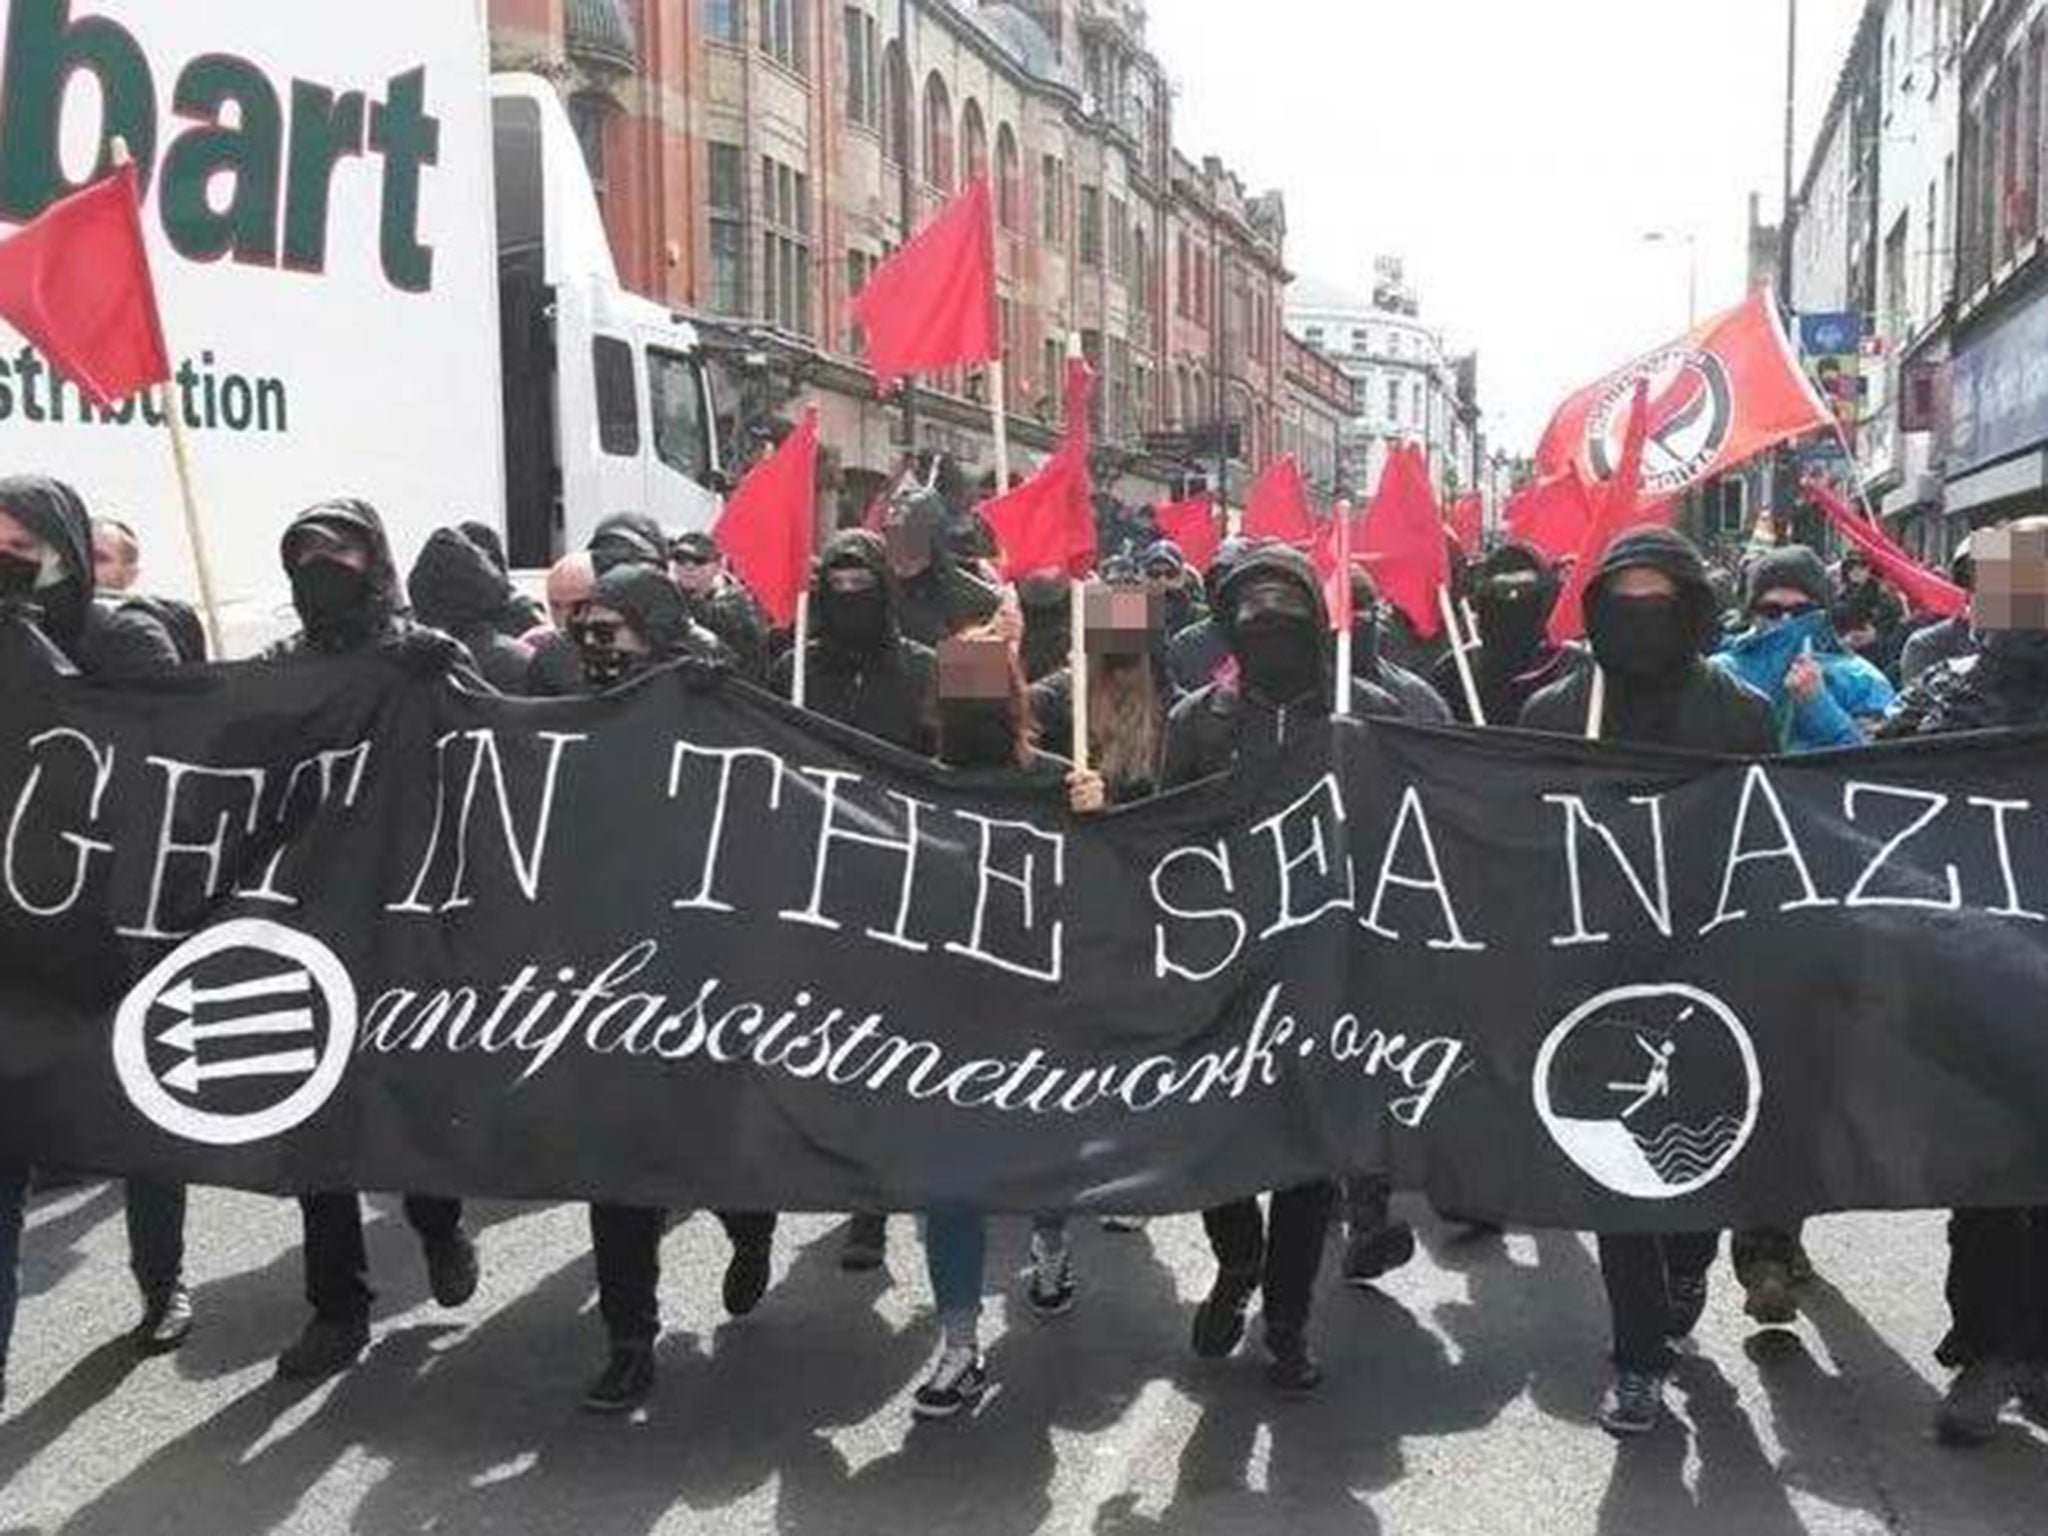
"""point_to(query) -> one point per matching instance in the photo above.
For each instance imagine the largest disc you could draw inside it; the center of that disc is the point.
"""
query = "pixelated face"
(1121, 620)
(973, 668)
(2012, 577)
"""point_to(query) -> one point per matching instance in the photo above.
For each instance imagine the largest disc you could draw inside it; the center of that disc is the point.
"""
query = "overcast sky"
(1513, 153)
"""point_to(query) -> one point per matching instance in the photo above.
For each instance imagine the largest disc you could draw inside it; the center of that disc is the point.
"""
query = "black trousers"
(1997, 1287)
(1281, 1254)
(1638, 1270)
(337, 1267)
(625, 1247)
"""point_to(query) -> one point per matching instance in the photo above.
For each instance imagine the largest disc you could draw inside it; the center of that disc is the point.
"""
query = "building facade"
(1320, 404)
(756, 159)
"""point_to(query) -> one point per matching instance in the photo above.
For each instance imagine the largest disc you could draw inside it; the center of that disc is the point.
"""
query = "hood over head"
(455, 585)
(1793, 566)
(348, 519)
(56, 514)
(627, 538)
(644, 596)
(852, 548)
(1657, 548)
(487, 539)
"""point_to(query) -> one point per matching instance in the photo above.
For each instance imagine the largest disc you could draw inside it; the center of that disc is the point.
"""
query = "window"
(784, 35)
(722, 21)
(727, 209)
(678, 407)
(938, 133)
(1089, 236)
(973, 143)
(860, 266)
(1141, 273)
(1360, 342)
(1119, 239)
(618, 400)
(1183, 280)
(1008, 200)
(1415, 402)
(1313, 335)
(863, 70)
(895, 105)
(1052, 201)
(1055, 375)
(785, 247)
(1394, 401)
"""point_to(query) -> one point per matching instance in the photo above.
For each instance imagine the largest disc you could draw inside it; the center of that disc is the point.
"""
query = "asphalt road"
(1460, 1399)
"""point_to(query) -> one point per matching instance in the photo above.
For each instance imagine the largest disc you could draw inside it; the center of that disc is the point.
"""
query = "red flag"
(1551, 515)
(1048, 522)
(933, 304)
(1468, 524)
(766, 527)
(1276, 507)
(1193, 526)
(1719, 395)
(1333, 559)
(1403, 541)
(1927, 591)
(75, 282)
(1619, 509)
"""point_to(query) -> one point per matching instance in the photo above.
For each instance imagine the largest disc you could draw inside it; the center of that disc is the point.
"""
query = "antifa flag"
(331, 927)
(1719, 396)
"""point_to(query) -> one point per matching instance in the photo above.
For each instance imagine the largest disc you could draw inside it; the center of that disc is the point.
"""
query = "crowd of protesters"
(915, 640)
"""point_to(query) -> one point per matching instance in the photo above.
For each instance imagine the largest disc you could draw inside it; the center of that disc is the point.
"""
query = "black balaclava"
(1048, 604)
(855, 621)
(1279, 642)
(1513, 616)
(1650, 640)
(60, 587)
(340, 608)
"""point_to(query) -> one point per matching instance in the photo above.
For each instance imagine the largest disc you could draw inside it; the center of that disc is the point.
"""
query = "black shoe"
(1688, 1303)
(327, 1347)
(1634, 1403)
(957, 1382)
(867, 1244)
(451, 1269)
(166, 1322)
(625, 1381)
(1292, 1369)
(1051, 1289)
(1377, 1251)
(746, 1277)
(1219, 1320)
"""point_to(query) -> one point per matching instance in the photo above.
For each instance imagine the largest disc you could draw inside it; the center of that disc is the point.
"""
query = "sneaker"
(327, 1347)
(166, 1322)
(746, 1277)
(1292, 1369)
(1376, 1251)
(451, 1269)
(1979, 1394)
(867, 1244)
(1219, 1320)
(957, 1382)
(1633, 1404)
(625, 1381)
(1051, 1291)
(1770, 1300)
(1688, 1302)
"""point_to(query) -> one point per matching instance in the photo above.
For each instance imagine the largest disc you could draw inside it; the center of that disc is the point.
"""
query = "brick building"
(756, 158)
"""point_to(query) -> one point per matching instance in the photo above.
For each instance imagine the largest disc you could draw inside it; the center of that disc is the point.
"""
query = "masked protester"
(627, 538)
(521, 613)
(1278, 700)
(556, 670)
(349, 601)
(1649, 611)
(455, 587)
(1821, 695)
(47, 582)
(1196, 655)
(1417, 696)
(1944, 639)
(719, 602)
(985, 734)
(938, 592)
(1166, 572)
(1997, 1342)
(1514, 590)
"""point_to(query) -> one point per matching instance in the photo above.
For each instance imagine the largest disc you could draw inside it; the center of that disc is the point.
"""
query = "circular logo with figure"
(1691, 410)
(238, 1034)
(1651, 1090)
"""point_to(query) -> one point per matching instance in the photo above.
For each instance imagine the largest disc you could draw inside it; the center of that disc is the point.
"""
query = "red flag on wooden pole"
(1551, 515)
(1276, 507)
(933, 304)
(768, 523)
(1048, 522)
(1403, 542)
(1926, 590)
(1194, 527)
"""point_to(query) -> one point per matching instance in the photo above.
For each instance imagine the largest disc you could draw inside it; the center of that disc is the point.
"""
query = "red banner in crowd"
(1719, 395)
(1277, 507)
(1551, 515)
(933, 304)
(1925, 590)
(1194, 526)
(1048, 522)
(767, 526)
(1403, 542)
(1468, 524)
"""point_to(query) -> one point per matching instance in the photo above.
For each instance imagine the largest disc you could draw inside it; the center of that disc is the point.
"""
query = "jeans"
(1282, 1254)
(625, 1249)
(1997, 1287)
(956, 1257)
(156, 1237)
(338, 1268)
(1639, 1270)
(13, 1199)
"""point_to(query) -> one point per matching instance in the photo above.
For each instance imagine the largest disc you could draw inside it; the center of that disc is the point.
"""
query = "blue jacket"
(1854, 691)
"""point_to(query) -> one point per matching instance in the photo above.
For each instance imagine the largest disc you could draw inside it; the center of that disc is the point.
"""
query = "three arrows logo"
(202, 1024)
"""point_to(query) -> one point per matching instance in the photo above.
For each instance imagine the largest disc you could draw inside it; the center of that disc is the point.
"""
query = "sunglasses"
(696, 560)
(1775, 611)
(600, 634)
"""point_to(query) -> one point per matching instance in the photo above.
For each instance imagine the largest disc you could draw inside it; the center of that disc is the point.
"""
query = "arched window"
(1141, 271)
(1009, 186)
(895, 104)
(973, 142)
(938, 133)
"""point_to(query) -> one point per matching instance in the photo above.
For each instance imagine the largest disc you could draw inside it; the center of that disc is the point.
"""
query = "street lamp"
(1692, 266)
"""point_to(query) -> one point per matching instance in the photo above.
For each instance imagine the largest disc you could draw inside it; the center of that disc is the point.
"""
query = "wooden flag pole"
(797, 689)
(1596, 706)
(1472, 641)
(1465, 679)
(1346, 641)
(1077, 673)
(998, 372)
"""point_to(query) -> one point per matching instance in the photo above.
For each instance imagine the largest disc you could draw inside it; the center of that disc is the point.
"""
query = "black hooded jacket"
(457, 588)
(647, 599)
(1696, 706)
(2003, 684)
(628, 538)
(888, 691)
(1220, 725)
(112, 638)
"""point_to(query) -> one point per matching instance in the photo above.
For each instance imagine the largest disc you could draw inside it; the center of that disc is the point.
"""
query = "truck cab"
(608, 400)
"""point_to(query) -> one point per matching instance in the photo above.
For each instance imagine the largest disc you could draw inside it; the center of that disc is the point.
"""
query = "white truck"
(382, 273)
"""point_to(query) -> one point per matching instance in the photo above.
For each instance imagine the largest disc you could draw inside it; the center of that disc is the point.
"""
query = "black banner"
(329, 927)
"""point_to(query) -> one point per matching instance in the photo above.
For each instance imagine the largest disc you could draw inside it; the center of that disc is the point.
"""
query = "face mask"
(1643, 637)
(976, 733)
(857, 620)
(1280, 657)
(333, 601)
(605, 667)
(1511, 627)
(18, 578)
